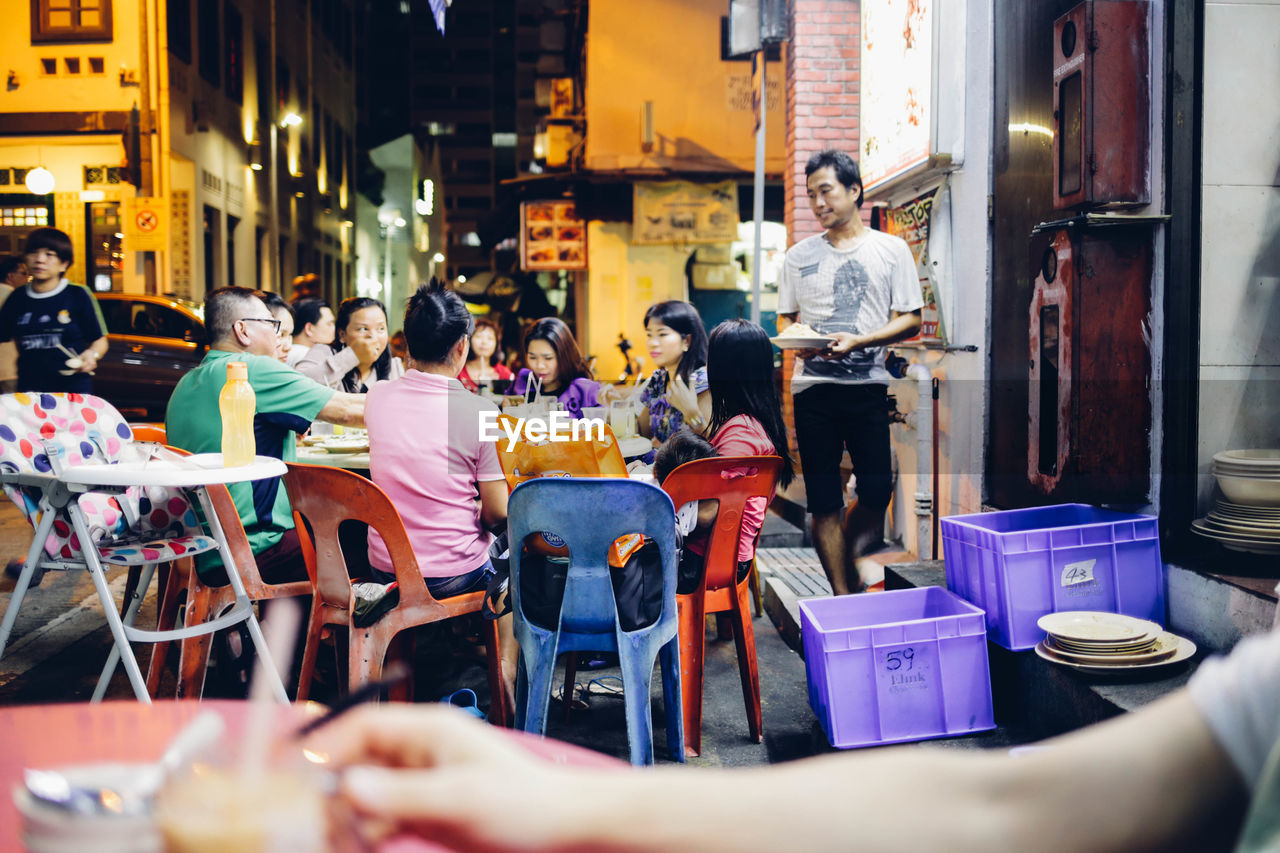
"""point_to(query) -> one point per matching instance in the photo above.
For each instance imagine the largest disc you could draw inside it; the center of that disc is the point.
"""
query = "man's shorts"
(831, 417)
(449, 585)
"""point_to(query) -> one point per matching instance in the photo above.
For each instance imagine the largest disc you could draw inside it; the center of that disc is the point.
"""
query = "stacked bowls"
(1248, 519)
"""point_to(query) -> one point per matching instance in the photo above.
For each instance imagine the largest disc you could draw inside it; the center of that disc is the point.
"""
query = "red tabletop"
(127, 731)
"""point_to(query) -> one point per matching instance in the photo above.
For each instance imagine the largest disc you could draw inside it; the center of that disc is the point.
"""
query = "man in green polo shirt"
(241, 328)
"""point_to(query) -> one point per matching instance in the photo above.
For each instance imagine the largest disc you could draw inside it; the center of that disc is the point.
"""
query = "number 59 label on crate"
(1077, 573)
(907, 683)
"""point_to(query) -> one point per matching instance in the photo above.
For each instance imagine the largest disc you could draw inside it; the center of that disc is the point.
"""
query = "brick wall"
(822, 112)
(822, 95)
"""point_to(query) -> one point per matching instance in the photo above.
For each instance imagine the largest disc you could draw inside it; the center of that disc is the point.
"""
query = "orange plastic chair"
(323, 497)
(721, 591)
(149, 432)
(206, 602)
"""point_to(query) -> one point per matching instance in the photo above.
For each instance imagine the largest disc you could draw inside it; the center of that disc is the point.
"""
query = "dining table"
(76, 734)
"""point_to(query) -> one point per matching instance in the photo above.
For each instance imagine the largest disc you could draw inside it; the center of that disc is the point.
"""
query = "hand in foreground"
(681, 396)
(844, 343)
(611, 394)
(445, 776)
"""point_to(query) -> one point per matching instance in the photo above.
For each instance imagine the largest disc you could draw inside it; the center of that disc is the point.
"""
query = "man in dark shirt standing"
(56, 324)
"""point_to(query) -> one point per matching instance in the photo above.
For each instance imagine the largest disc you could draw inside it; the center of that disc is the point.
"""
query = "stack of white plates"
(1097, 642)
(1249, 518)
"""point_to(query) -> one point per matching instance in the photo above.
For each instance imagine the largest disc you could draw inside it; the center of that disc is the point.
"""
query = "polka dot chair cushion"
(157, 551)
(88, 430)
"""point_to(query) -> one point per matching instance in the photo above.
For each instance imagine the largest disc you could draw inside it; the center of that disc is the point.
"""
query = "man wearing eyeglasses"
(241, 328)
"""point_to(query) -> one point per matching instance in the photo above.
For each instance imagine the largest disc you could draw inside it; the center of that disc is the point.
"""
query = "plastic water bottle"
(237, 404)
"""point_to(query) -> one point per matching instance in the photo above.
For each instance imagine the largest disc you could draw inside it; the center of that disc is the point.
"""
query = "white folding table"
(193, 474)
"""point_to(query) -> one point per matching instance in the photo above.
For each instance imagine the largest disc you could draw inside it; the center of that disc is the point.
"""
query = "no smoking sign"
(144, 221)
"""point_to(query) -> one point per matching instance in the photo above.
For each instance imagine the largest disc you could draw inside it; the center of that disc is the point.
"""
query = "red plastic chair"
(721, 591)
(206, 602)
(323, 497)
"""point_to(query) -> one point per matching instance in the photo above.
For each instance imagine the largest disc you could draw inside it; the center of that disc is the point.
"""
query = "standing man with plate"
(860, 287)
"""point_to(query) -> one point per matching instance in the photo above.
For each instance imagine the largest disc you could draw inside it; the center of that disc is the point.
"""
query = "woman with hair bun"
(425, 452)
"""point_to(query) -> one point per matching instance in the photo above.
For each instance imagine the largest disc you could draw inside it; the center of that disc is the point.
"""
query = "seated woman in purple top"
(553, 357)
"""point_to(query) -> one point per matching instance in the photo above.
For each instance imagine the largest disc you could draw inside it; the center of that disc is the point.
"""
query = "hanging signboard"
(684, 212)
(896, 88)
(911, 221)
(146, 224)
(552, 237)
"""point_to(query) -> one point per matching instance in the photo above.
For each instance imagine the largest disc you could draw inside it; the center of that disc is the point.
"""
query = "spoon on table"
(130, 795)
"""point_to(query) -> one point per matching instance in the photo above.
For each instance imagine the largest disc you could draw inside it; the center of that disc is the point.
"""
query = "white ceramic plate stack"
(1106, 643)
(1248, 519)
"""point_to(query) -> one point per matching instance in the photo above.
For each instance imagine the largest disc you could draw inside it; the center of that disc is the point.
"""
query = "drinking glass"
(622, 419)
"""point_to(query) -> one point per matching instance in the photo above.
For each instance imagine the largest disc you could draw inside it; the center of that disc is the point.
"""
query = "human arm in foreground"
(1151, 780)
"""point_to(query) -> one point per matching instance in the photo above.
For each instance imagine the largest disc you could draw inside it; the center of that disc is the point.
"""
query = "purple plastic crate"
(897, 666)
(1020, 564)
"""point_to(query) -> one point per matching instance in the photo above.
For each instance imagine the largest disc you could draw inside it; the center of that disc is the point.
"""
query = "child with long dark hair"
(553, 358)
(359, 356)
(746, 420)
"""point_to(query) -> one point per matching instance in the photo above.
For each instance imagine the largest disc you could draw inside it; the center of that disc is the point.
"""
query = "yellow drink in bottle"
(237, 404)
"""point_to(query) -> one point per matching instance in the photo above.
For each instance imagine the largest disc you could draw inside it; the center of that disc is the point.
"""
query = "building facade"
(200, 75)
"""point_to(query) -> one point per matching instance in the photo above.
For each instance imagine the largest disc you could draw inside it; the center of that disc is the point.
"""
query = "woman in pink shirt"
(746, 420)
(425, 452)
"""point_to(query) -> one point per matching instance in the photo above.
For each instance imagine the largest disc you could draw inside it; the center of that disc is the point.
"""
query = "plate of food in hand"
(801, 336)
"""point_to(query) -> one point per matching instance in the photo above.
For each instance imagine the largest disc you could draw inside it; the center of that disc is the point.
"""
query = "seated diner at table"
(677, 342)
(426, 453)
(241, 328)
(313, 324)
(555, 368)
(746, 420)
(283, 312)
(359, 355)
(484, 365)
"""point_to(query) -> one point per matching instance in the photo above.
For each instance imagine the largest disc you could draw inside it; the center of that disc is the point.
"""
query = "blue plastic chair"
(589, 514)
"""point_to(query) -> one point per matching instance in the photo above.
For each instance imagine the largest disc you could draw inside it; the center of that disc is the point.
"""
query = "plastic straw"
(280, 633)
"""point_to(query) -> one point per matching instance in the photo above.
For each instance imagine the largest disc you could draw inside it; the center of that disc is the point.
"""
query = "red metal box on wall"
(1101, 103)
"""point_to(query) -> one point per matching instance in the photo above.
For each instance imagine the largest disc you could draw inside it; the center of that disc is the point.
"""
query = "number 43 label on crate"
(1078, 573)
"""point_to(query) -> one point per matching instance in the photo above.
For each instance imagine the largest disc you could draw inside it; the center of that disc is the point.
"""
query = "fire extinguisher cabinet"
(1101, 105)
(1089, 413)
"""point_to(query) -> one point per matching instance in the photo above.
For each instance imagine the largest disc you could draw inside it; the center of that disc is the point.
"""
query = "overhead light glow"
(438, 258)
(399, 222)
(40, 181)
(290, 119)
(1027, 127)
(462, 279)
(429, 196)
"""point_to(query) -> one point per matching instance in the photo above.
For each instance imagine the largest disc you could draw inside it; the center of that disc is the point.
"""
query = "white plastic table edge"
(200, 470)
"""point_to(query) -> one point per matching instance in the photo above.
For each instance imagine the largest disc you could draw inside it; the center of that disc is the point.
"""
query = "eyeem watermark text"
(558, 426)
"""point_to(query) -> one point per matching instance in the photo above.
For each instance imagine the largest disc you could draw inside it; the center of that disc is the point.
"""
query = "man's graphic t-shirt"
(41, 324)
(853, 290)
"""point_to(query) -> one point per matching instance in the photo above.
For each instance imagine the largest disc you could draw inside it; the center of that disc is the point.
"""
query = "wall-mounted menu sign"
(911, 221)
(896, 91)
(683, 212)
(552, 237)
